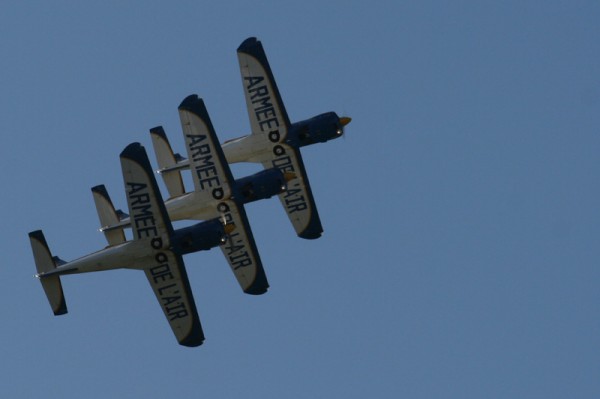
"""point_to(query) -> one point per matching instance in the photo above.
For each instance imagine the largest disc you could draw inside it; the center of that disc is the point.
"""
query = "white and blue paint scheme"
(215, 193)
(156, 248)
(274, 141)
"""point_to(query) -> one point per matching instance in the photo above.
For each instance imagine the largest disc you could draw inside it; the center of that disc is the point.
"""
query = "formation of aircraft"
(216, 201)
(273, 141)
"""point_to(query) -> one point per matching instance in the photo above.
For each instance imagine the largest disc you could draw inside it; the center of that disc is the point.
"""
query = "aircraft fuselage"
(144, 252)
(200, 205)
(256, 147)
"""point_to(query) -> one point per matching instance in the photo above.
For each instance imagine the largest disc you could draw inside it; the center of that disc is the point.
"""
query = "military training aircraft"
(217, 199)
(216, 193)
(273, 142)
(156, 249)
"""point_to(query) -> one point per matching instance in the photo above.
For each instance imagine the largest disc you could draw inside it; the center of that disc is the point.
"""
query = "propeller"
(227, 227)
(344, 120)
(287, 176)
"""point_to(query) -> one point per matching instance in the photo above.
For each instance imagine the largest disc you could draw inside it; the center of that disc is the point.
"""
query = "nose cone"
(289, 176)
(344, 120)
(229, 228)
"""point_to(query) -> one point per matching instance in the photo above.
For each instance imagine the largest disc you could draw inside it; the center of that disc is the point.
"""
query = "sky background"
(461, 209)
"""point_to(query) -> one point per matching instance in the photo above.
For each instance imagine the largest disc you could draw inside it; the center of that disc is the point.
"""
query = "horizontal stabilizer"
(107, 215)
(166, 160)
(45, 263)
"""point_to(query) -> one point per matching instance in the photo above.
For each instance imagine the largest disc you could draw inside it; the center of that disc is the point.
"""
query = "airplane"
(215, 193)
(156, 248)
(273, 142)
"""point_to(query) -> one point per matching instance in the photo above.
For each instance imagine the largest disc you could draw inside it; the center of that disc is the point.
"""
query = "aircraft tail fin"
(167, 162)
(45, 263)
(108, 216)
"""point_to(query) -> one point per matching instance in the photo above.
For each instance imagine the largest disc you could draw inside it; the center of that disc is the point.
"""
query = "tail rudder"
(168, 162)
(109, 217)
(45, 263)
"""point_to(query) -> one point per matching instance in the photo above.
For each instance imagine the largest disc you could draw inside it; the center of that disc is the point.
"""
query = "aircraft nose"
(289, 176)
(229, 227)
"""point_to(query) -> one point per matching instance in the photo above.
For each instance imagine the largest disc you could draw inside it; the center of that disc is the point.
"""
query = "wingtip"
(195, 336)
(133, 151)
(195, 105)
(190, 102)
(260, 290)
(248, 44)
(136, 152)
(193, 341)
(313, 231)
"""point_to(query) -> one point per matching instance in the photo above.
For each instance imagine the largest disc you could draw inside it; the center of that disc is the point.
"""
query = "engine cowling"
(319, 129)
(199, 237)
(261, 185)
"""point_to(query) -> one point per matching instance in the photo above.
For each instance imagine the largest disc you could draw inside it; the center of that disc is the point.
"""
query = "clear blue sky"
(461, 250)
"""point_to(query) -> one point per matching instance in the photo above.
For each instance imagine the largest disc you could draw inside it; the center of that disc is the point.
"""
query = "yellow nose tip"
(344, 120)
(289, 176)
(229, 228)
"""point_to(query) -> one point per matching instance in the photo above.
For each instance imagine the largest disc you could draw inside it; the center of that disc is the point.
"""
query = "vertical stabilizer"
(107, 215)
(167, 160)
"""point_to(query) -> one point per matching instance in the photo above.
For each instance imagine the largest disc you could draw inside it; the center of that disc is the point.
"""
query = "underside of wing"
(241, 252)
(210, 171)
(171, 286)
(148, 216)
(265, 107)
(211, 175)
(297, 200)
(150, 222)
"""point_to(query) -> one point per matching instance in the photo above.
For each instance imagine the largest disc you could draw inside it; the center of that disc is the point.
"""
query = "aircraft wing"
(297, 200)
(147, 212)
(265, 107)
(171, 286)
(241, 252)
(268, 117)
(211, 175)
(151, 225)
